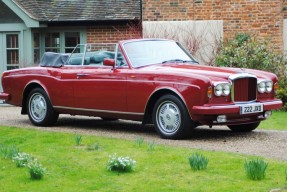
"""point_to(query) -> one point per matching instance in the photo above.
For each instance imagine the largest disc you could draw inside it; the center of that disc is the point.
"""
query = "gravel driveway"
(270, 144)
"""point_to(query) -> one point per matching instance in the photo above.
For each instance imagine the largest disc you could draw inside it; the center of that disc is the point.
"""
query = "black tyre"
(40, 110)
(244, 127)
(171, 118)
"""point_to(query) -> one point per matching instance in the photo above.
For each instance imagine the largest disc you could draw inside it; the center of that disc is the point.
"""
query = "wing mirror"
(109, 62)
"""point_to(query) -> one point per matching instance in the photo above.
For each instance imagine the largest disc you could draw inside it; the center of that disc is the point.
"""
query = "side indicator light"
(276, 87)
(209, 92)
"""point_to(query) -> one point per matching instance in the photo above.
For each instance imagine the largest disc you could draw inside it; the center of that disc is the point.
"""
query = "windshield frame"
(191, 59)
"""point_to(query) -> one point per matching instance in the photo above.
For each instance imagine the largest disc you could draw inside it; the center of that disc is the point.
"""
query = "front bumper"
(4, 96)
(232, 109)
(207, 114)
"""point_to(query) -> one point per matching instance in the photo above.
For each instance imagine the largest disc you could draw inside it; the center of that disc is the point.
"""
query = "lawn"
(159, 168)
(276, 122)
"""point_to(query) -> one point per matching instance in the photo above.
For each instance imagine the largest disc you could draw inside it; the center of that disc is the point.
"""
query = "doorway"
(9, 52)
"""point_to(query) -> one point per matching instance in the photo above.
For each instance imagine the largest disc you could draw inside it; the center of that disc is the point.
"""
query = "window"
(12, 51)
(121, 61)
(52, 42)
(56, 41)
(72, 39)
(36, 40)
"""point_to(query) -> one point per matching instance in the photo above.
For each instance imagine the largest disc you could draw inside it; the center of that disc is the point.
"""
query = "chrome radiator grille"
(244, 89)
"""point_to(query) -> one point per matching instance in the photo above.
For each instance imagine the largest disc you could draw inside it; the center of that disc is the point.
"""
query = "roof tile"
(81, 10)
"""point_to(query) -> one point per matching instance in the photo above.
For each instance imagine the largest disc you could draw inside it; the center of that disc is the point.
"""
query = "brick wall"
(262, 18)
(112, 33)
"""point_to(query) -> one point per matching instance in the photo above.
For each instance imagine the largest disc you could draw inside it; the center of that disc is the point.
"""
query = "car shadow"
(133, 127)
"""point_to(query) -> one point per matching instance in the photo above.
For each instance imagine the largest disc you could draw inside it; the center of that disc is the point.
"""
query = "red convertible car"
(155, 81)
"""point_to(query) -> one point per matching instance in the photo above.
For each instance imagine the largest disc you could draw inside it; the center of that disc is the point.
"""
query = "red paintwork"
(125, 92)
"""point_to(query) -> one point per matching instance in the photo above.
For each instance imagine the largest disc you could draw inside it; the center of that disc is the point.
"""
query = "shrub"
(255, 169)
(22, 159)
(245, 51)
(282, 94)
(121, 164)
(198, 162)
(36, 170)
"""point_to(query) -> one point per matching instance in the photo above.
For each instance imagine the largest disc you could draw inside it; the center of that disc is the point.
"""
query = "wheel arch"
(26, 92)
(154, 97)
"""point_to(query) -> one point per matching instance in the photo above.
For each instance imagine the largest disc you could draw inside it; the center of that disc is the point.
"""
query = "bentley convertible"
(155, 81)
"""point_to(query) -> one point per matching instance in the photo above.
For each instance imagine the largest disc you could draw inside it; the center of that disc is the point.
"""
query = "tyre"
(244, 127)
(171, 118)
(40, 110)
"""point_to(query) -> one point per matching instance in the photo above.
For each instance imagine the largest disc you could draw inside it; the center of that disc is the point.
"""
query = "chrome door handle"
(81, 75)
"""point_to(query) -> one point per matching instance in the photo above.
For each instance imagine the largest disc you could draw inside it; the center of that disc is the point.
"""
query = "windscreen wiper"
(179, 61)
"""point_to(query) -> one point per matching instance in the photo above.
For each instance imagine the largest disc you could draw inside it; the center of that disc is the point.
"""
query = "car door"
(100, 89)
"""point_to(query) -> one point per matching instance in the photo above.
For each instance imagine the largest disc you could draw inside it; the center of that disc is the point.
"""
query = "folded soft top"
(51, 59)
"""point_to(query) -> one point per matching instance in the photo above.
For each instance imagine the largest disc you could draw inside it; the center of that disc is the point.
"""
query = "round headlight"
(226, 89)
(218, 90)
(269, 86)
(261, 87)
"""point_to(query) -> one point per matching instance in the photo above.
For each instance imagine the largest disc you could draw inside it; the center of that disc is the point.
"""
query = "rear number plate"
(253, 108)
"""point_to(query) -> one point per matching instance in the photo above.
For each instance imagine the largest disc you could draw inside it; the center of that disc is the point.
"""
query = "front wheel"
(171, 118)
(244, 127)
(40, 110)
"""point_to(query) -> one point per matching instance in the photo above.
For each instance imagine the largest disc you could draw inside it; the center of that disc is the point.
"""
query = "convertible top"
(51, 59)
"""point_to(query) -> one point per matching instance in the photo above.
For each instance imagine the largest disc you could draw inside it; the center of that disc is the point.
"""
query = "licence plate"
(252, 108)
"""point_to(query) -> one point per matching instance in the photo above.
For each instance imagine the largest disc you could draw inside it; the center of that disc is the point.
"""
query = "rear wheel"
(244, 127)
(40, 110)
(171, 118)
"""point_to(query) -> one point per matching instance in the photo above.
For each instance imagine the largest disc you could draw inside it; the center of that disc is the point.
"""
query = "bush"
(198, 162)
(121, 164)
(245, 51)
(36, 170)
(282, 94)
(255, 169)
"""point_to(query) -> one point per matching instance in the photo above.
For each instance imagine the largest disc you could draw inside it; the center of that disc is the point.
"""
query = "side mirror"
(109, 62)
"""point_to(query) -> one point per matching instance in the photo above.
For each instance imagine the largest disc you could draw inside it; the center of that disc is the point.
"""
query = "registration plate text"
(252, 108)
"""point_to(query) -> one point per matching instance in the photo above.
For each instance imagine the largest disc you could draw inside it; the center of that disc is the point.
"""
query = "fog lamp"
(267, 114)
(221, 118)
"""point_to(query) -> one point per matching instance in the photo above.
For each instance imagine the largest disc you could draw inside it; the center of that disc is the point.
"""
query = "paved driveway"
(271, 144)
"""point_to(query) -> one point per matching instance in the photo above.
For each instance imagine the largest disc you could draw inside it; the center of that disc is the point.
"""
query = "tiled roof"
(81, 10)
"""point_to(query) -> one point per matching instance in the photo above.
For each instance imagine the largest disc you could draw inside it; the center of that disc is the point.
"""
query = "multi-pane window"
(12, 51)
(59, 42)
(52, 42)
(72, 39)
(36, 40)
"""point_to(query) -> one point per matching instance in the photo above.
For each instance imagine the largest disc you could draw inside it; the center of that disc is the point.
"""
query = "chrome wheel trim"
(37, 107)
(168, 117)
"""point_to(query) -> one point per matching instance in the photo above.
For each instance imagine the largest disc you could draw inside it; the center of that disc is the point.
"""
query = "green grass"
(276, 122)
(74, 168)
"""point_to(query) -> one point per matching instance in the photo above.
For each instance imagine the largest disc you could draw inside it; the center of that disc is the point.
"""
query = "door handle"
(79, 75)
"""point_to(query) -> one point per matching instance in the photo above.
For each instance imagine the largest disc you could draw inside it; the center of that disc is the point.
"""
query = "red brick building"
(36, 26)
(264, 18)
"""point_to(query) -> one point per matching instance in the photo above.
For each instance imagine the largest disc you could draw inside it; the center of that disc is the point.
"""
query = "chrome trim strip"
(240, 76)
(228, 106)
(99, 111)
(89, 80)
